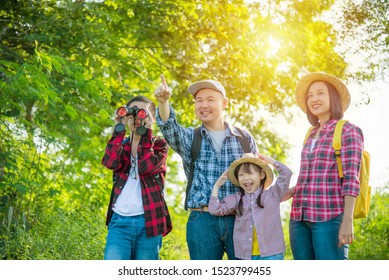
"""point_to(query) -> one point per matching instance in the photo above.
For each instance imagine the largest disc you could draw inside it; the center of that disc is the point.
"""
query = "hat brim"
(305, 82)
(257, 161)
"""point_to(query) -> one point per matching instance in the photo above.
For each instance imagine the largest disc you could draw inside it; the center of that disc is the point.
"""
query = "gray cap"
(211, 84)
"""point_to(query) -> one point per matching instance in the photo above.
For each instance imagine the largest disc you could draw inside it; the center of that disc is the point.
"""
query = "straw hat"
(251, 158)
(306, 81)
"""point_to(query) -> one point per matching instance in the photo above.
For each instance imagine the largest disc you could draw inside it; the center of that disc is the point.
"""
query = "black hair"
(335, 104)
(247, 169)
(141, 98)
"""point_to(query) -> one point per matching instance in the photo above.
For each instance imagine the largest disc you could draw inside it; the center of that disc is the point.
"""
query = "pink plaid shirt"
(267, 220)
(319, 191)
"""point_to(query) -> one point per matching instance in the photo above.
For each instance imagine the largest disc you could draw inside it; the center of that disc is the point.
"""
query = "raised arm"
(227, 205)
(283, 180)
(162, 94)
(222, 179)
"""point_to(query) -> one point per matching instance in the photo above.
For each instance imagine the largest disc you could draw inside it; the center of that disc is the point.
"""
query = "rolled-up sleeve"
(351, 155)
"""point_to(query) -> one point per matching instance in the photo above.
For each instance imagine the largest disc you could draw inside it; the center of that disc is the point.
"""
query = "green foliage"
(65, 66)
(174, 244)
(62, 236)
(372, 233)
(285, 215)
(364, 27)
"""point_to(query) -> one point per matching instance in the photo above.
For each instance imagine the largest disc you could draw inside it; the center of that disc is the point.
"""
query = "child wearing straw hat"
(321, 218)
(258, 231)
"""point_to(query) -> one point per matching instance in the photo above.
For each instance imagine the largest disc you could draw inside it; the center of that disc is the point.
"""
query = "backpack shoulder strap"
(337, 145)
(195, 150)
(243, 141)
(307, 134)
(196, 143)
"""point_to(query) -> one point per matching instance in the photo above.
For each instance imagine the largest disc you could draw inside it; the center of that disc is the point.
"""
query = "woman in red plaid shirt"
(137, 216)
(321, 219)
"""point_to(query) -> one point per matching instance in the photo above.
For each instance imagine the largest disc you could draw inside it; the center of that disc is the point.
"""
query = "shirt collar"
(230, 130)
(255, 193)
(328, 125)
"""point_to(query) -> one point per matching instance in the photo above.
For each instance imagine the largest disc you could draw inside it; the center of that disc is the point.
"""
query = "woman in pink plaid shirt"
(258, 231)
(321, 219)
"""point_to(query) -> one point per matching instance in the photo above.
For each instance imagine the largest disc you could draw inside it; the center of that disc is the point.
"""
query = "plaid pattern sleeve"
(111, 158)
(226, 206)
(351, 155)
(178, 137)
(152, 154)
(319, 193)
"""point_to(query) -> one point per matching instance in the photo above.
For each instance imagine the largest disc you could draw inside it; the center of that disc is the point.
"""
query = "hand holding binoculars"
(134, 111)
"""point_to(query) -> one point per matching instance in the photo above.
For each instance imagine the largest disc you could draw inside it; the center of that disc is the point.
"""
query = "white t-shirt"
(129, 202)
(217, 139)
(312, 145)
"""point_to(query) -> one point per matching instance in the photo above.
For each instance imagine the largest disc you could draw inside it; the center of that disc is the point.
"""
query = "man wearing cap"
(207, 236)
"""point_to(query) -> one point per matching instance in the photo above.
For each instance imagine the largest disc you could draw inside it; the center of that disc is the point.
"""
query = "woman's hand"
(346, 232)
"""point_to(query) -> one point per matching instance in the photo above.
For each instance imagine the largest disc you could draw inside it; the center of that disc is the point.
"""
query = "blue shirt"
(209, 165)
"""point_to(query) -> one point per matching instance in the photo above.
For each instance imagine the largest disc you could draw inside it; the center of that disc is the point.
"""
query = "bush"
(372, 233)
(58, 236)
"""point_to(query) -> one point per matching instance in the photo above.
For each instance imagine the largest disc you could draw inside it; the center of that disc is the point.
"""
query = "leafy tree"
(363, 31)
(66, 65)
(51, 122)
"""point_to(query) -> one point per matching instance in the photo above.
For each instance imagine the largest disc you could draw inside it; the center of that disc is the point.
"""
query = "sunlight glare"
(274, 45)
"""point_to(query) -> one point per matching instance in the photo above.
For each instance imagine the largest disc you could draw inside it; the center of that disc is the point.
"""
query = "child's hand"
(288, 194)
(266, 159)
(222, 179)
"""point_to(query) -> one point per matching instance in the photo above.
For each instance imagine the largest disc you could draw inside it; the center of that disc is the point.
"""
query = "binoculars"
(134, 111)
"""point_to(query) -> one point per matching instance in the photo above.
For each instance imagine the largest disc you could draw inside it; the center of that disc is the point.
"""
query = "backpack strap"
(243, 141)
(337, 145)
(308, 133)
(195, 150)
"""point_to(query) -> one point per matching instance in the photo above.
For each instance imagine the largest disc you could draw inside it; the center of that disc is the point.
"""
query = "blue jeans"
(127, 240)
(274, 257)
(317, 241)
(208, 236)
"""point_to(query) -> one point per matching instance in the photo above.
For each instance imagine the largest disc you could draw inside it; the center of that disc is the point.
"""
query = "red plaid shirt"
(319, 191)
(152, 154)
